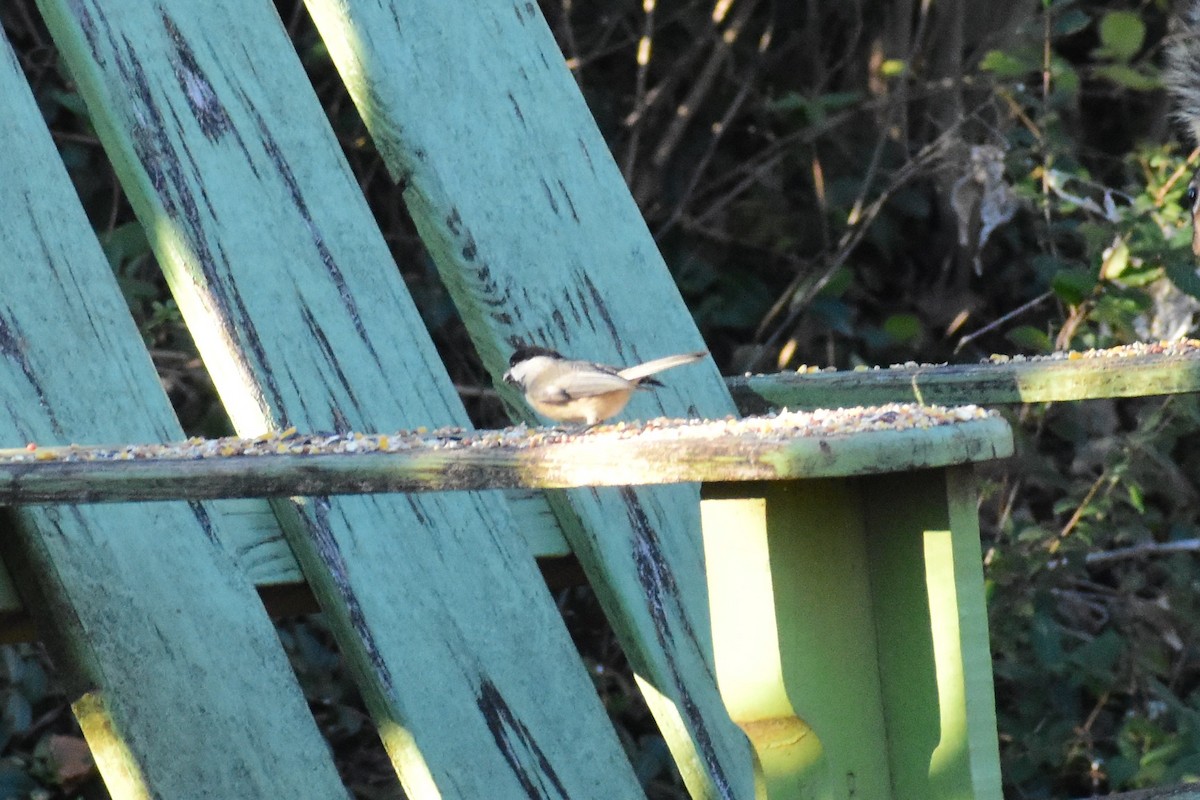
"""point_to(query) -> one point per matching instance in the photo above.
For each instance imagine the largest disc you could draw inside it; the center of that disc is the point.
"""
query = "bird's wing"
(579, 384)
(659, 364)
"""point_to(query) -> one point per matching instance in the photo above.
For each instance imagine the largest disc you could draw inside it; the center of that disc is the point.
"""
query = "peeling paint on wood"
(1131, 371)
(288, 286)
(148, 632)
(515, 459)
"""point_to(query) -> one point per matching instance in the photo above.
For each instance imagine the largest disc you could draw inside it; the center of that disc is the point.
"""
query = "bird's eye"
(1190, 197)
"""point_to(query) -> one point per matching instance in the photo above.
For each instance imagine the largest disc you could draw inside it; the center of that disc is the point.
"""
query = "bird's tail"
(1182, 74)
(659, 364)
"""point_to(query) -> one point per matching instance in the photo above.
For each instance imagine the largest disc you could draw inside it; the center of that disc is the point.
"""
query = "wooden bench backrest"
(302, 318)
(141, 604)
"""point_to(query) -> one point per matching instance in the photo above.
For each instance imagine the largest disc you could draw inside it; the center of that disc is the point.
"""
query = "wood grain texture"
(660, 456)
(1116, 373)
(148, 633)
(537, 238)
(290, 292)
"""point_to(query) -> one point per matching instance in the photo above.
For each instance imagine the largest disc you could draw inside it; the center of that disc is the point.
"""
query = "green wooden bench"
(835, 646)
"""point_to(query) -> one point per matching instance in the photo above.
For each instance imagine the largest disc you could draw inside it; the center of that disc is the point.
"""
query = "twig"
(644, 46)
(1021, 309)
(686, 111)
(734, 106)
(850, 240)
(1079, 509)
(749, 171)
(574, 62)
(1134, 551)
(1182, 171)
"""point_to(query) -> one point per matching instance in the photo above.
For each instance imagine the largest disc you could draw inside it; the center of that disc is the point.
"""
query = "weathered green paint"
(302, 318)
(536, 236)
(935, 660)
(1030, 381)
(588, 460)
(851, 635)
(249, 532)
(142, 608)
(796, 655)
(237, 195)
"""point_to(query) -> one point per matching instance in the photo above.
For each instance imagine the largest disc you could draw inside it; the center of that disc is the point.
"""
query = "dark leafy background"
(835, 182)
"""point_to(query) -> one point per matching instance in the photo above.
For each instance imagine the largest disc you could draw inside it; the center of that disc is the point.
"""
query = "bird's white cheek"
(522, 373)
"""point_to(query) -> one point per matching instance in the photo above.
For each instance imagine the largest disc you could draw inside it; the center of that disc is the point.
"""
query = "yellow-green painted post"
(935, 660)
(850, 634)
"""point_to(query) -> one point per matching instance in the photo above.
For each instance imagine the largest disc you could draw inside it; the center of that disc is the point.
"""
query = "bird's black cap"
(525, 352)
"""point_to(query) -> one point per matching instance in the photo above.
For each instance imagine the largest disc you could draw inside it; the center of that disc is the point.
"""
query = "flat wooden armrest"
(817, 444)
(1130, 371)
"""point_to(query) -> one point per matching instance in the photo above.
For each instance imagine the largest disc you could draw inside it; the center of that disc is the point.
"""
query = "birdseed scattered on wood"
(776, 427)
(1181, 347)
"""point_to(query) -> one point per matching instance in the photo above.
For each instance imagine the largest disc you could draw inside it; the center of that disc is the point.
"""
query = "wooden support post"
(850, 633)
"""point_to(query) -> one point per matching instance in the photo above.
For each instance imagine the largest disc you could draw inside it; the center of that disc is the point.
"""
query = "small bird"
(567, 390)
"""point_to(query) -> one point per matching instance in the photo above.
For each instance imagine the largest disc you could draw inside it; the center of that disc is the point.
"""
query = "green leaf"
(834, 315)
(792, 101)
(1046, 639)
(814, 108)
(1183, 275)
(1136, 498)
(838, 283)
(1121, 770)
(1122, 34)
(1132, 78)
(1073, 286)
(1070, 23)
(1047, 265)
(124, 243)
(903, 327)
(836, 101)
(1066, 78)
(1120, 308)
(1033, 533)
(1116, 261)
(1099, 656)
(1004, 64)
(1028, 337)
(738, 303)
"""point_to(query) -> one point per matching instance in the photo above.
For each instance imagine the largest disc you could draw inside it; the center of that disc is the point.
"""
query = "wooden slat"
(148, 633)
(515, 194)
(1189, 791)
(790, 446)
(1130, 371)
(302, 319)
